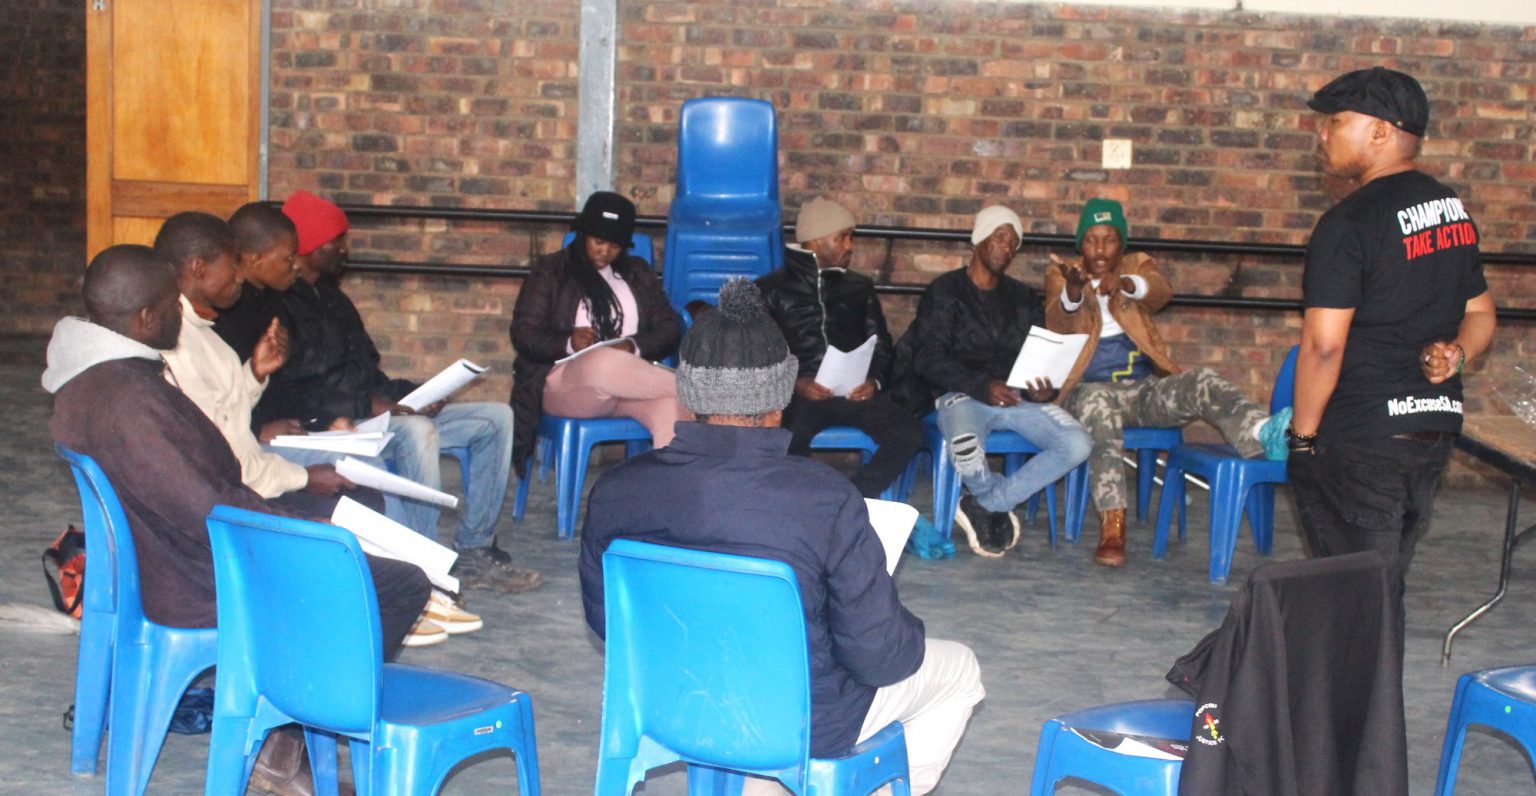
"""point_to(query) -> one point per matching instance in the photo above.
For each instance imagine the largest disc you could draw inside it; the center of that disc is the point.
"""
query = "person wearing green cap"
(1125, 376)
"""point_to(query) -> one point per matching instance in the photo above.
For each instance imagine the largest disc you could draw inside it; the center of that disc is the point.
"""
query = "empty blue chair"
(1237, 484)
(566, 443)
(300, 642)
(1064, 751)
(707, 663)
(1500, 699)
(144, 666)
(850, 438)
(724, 220)
(1016, 449)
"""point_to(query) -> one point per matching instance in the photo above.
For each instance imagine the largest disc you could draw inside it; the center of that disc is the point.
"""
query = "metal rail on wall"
(889, 235)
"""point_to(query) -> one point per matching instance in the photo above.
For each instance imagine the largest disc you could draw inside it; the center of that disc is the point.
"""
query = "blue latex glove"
(927, 542)
(1272, 434)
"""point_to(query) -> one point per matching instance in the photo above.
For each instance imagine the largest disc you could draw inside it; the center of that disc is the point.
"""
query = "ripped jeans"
(1061, 439)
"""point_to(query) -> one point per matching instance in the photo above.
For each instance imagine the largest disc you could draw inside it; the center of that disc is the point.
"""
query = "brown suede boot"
(1111, 549)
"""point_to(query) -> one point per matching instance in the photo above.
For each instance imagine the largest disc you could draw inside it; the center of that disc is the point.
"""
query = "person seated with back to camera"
(1125, 375)
(594, 293)
(727, 484)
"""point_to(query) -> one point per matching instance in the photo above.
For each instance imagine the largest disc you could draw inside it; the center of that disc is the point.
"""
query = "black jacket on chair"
(1300, 691)
(816, 308)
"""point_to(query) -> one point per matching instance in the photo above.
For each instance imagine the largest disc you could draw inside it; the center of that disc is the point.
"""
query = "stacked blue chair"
(1238, 486)
(567, 442)
(850, 438)
(144, 666)
(707, 663)
(300, 642)
(1500, 699)
(1016, 449)
(1065, 752)
(724, 220)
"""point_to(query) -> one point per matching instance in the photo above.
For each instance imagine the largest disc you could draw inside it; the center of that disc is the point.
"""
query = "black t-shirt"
(1402, 253)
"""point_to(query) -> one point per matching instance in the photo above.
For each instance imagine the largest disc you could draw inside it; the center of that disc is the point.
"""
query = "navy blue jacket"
(737, 490)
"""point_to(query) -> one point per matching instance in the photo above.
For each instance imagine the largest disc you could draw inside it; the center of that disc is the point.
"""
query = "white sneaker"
(446, 614)
(425, 633)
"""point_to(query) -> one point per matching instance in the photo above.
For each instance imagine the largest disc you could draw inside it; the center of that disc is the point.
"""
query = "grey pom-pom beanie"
(734, 360)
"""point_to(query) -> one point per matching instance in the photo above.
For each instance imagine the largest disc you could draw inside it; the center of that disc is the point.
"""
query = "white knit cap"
(990, 218)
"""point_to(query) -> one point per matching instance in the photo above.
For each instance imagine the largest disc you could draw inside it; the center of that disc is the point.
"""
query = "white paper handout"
(843, 371)
(365, 474)
(354, 443)
(589, 349)
(893, 523)
(449, 381)
(381, 536)
(1047, 355)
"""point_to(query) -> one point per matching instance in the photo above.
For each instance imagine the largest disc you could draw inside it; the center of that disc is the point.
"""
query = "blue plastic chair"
(300, 642)
(1236, 484)
(144, 666)
(1063, 752)
(1148, 442)
(850, 438)
(725, 219)
(1016, 450)
(1501, 699)
(707, 663)
(567, 442)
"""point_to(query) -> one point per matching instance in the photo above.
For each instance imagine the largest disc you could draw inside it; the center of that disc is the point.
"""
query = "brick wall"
(42, 163)
(914, 113)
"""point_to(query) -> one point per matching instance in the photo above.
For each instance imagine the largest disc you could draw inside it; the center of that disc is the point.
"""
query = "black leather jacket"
(816, 307)
(963, 339)
(333, 366)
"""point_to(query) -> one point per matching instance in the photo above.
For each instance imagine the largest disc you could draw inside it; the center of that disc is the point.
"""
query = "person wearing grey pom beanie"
(728, 484)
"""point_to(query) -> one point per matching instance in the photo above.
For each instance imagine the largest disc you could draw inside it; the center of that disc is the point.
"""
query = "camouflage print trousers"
(1105, 408)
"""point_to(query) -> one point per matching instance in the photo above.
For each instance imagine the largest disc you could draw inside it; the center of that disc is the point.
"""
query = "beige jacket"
(1133, 315)
(209, 372)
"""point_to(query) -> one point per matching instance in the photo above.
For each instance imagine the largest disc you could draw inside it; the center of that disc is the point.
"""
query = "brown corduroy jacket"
(1133, 315)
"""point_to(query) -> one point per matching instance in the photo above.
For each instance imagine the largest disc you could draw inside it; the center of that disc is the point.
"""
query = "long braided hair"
(602, 305)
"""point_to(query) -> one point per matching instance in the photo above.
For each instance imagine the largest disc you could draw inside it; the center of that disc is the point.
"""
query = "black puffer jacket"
(963, 339)
(542, 322)
(817, 307)
(333, 366)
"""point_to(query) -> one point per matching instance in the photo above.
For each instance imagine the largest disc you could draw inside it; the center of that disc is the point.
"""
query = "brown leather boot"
(1111, 549)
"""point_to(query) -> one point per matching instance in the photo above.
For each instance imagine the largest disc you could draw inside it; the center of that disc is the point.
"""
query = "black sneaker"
(491, 568)
(987, 532)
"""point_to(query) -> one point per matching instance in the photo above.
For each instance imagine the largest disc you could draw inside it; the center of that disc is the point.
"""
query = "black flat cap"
(1389, 95)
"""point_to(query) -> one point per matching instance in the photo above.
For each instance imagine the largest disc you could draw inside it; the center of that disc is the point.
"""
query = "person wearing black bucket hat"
(728, 484)
(1395, 306)
(595, 302)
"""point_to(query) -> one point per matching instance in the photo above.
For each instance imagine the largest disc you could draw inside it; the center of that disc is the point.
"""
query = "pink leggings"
(615, 383)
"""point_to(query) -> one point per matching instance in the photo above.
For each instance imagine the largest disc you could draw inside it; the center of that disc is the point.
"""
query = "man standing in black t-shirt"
(1396, 304)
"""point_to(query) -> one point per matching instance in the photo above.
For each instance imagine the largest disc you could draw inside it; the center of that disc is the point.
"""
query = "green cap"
(1102, 211)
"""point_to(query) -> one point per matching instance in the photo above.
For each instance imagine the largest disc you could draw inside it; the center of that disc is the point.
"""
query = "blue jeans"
(486, 429)
(1061, 439)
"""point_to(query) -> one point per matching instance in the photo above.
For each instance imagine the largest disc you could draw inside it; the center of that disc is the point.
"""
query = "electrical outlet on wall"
(1117, 153)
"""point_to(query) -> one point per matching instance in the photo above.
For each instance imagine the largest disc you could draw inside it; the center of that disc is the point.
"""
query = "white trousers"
(933, 706)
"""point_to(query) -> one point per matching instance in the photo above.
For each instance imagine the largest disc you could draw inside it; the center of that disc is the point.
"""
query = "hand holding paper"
(439, 387)
(843, 371)
(364, 474)
(1046, 355)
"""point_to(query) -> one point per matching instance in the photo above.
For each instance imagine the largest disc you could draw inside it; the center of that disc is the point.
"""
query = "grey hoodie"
(77, 344)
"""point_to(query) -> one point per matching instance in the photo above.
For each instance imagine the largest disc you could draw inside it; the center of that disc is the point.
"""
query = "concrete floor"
(1053, 633)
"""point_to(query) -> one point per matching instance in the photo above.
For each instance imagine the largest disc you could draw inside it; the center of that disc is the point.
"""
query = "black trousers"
(402, 591)
(897, 433)
(1370, 495)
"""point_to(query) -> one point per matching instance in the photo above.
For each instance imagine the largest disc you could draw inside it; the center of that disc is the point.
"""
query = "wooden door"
(173, 89)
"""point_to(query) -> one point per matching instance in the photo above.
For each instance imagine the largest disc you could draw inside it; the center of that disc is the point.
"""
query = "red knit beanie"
(319, 221)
